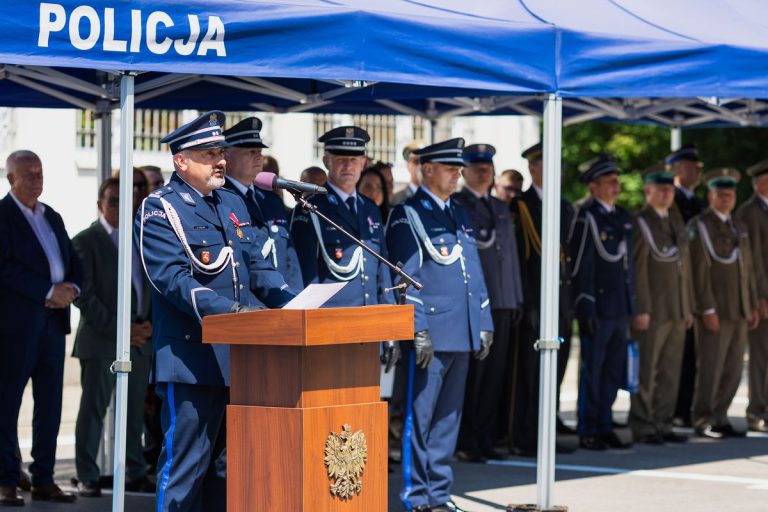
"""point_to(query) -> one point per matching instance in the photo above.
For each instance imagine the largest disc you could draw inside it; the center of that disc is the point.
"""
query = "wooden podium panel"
(283, 469)
(296, 376)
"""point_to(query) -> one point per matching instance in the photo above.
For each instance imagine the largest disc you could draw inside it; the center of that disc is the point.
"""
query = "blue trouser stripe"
(166, 475)
(407, 434)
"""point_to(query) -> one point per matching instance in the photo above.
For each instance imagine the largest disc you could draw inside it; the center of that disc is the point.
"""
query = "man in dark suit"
(95, 344)
(40, 276)
(686, 165)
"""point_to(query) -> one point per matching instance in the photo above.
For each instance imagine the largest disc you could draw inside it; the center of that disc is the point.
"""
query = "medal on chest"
(238, 231)
(205, 256)
(444, 250)
(338, 253)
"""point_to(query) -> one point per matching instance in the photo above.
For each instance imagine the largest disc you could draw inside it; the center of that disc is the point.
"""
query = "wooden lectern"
(298, 379)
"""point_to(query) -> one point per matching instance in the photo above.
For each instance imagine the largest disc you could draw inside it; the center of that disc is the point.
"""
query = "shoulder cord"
(225, 255)
(489, 242)
(531, 235)
(342, 273)
(415, 221)
(735, 254)
(607, 256)
(270, 248)
(669, 256)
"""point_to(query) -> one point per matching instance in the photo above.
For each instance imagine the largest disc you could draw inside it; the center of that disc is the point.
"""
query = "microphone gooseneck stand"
(405, 279)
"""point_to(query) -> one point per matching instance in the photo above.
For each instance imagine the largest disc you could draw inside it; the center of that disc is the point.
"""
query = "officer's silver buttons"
(365, 277)
(242, 286)
(470, 294)
(274, 228)
(366, 295)
(431, 310)
(205, 241)
(231, 243)
(187, 337)
(237, 264)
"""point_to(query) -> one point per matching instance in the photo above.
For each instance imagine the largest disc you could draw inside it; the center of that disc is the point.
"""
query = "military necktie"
(250, 196)
(351, 204)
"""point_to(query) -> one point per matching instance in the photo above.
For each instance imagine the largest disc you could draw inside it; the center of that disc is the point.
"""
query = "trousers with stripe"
(192, 469)
(433, 415)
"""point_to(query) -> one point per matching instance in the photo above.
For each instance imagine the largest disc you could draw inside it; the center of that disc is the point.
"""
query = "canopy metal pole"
(104, 142)
(549, 342)
(122, 366)
(675, 138)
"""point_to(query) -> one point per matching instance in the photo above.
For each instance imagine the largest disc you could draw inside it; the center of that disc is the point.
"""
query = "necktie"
(351, 204)
(211, 202)
(448, 212)
(249, 195)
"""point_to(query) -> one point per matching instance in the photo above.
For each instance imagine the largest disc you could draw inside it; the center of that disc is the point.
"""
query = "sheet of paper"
(314, 296)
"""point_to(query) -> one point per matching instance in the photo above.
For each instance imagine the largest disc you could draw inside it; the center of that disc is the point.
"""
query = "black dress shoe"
(592, 443)
(563, 429)
(448, 507)
(10, 497)
(709, 432)
(494, 454)
(142, 484)
(52, 492)
(728, 431)
(25, 484)
(89, 489)
(614, 441)
(420, 508)
(671, 437)
(681, 422)
(518, 451)
(473, 456)
(757, 425)
(653, 439)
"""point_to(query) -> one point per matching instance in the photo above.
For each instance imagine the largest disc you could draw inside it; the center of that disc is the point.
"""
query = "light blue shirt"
(343, 195)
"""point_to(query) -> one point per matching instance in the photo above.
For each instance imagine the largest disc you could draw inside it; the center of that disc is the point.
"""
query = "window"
(382, 146)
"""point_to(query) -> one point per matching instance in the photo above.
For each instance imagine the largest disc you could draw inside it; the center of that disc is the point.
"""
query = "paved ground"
(702, 475)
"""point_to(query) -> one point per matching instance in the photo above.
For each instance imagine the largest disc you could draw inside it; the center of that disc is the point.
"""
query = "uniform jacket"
(268, 214)
(364, 287)
(729, 288)
(688, 208)
(495, 235)
(754, 213)
(453, 304)
(662, 279)
(25, 276)
(182, 294)
(602, 288)
(97, 332)
(530, 252)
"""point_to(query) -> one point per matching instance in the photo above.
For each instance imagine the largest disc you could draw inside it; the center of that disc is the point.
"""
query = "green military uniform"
(663, 291)
(754, 213)
(95, 346)
(723, 282)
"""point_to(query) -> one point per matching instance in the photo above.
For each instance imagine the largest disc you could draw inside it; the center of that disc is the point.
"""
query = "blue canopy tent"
(438, 57)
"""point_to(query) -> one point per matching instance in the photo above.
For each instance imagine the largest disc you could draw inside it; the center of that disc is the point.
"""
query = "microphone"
(271, 181)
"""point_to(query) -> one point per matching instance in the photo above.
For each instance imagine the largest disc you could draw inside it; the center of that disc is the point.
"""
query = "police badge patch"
(426, 204)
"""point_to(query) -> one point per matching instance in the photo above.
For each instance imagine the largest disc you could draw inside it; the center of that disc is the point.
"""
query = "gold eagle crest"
(345, 457)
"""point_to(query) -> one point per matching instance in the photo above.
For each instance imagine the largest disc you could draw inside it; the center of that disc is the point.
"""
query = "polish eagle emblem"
(345, 457)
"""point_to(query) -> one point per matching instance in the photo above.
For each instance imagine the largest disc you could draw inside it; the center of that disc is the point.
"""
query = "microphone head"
(265, 180)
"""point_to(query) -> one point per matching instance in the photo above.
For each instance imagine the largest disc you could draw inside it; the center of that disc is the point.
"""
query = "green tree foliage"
(638, 147)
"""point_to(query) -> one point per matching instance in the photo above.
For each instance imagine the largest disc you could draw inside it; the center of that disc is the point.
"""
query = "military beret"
(479, 153)
(205, 132)
(449, 152)
(245, 134)
(600, 166)
(723, 178)
(533, 153)
(345, 141)
(758, 169)
(688, 153)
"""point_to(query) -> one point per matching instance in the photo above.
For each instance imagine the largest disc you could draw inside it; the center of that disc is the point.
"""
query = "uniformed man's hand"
(755, 320)
(588, 326)
(641, 322)
(63, 295)
(486, 340)
(422, 344)
(390, 355)
(242, 308)
(711, 322)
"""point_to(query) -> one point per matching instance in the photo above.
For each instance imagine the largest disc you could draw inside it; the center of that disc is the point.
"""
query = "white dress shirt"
(47, 238)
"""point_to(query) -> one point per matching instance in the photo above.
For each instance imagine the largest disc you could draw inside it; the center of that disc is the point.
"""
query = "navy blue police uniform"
(327, 255)
(689, 205)
(601, 245)
(266, 209)
(438, 248)
(203, 257)
(495, 236)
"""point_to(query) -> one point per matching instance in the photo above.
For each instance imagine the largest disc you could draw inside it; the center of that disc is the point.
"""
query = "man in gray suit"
(95, 343)
(414, 170)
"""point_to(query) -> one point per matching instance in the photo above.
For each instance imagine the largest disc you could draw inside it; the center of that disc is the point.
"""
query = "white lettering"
(94, 30)
(135, 31)
(187, 48)
(155, 19)
(110, 43)
(52, 19)
(214, 38)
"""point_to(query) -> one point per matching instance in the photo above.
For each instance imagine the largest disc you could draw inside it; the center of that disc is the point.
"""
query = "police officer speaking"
(434, 239)
(327, 255)
(203, 257)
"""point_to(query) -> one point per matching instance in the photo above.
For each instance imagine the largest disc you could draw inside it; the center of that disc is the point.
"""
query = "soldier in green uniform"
(726, 304)
(754, 213)
(663, 294)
